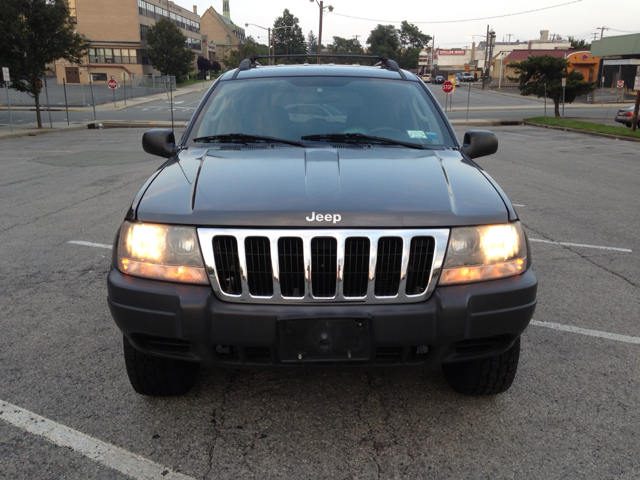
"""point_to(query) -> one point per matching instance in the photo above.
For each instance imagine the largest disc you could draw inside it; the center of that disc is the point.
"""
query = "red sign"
(585, 56)
(452, 52)
(112, 83)
(447, 87)
(620, 83)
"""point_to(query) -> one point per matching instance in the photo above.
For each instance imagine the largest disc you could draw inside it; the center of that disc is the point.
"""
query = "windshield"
(291, 108)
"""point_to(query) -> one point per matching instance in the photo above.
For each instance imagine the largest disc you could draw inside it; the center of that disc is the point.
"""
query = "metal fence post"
(93, 100)
(46, 92)
(66, 105)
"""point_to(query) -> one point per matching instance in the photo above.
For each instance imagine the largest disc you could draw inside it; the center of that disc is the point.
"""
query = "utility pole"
(602, 29)
(356, 37)
(486, 51)
(595, 36)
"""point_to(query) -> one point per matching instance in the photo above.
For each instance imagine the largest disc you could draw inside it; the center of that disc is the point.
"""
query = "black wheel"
(487, 376)
(158, 377)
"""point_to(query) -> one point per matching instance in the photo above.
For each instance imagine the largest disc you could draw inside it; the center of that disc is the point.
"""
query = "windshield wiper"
(245, 138)
(360, 138)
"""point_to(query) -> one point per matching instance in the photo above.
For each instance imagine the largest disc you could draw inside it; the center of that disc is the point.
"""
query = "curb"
(42, 131)
(575, 130)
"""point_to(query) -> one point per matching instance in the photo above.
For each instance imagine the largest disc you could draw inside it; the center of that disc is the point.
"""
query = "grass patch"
(620, 131)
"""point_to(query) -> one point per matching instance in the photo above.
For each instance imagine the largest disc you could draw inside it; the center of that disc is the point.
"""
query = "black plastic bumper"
(189, 322)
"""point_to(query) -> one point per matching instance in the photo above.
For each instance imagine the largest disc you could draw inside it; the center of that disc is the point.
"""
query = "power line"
(460, 21)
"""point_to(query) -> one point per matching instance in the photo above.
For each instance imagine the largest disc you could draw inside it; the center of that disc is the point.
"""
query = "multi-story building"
(221, 34)
(116, 31)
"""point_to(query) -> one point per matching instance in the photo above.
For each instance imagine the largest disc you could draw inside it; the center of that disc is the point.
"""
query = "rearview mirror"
(160, 142)
(479, 143)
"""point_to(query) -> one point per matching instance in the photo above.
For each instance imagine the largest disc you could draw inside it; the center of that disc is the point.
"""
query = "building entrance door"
(72, 74)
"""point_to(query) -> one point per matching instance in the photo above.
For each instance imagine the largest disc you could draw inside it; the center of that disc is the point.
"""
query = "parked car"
(426, 77)
(459, 79)
(266, 243)
(438, 79)
(625, 116)
(468, 77)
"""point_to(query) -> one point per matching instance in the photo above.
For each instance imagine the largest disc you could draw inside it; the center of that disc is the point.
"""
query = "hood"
(322, 188)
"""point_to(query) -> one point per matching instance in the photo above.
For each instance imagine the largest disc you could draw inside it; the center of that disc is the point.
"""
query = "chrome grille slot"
(225, 251)
(323, 265)
(291, 258)
(420, 258)
(388, 266)
(259, 271)
(356, 266)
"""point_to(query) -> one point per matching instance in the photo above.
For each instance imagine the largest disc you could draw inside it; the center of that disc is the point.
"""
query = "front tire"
(486, 376)
(156, 376)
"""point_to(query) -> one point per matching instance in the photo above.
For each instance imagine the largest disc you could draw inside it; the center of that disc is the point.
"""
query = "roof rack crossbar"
(386, 62)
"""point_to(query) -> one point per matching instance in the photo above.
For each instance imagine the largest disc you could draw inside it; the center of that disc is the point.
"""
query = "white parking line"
(584, 331)
(104, 453)
(89, 244)
(567, 244)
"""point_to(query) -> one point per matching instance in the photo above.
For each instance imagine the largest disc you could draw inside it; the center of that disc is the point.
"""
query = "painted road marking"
(516, 205)
(585, 331)
(104, 453)
(567, 244)
(89, 244)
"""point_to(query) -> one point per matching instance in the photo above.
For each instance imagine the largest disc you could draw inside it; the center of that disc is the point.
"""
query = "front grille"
(323, 266)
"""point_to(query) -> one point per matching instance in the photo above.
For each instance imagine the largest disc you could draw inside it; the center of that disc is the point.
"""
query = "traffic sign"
(5, 74)
(636, 85)
(620, 83)
(564, 82)
(112, 83)
(447, 87)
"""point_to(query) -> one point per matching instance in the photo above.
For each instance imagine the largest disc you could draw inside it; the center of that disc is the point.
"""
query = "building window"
(99, 77)
(112, 55)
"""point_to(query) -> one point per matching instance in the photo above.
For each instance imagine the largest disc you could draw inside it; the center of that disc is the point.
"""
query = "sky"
(444, 20)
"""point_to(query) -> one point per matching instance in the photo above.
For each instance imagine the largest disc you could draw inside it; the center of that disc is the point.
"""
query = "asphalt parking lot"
(67, 409)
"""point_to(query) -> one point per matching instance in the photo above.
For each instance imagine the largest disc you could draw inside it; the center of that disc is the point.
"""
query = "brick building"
(116, 30)
(221, 34)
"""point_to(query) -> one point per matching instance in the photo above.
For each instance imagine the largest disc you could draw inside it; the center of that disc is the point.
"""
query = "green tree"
(412, 41)
(244, 50)
(345, 46)
(166, 49)
(312, 42)
(579, 44)
(545, 73)
(35, 33)
(288, 35)
(384, 40)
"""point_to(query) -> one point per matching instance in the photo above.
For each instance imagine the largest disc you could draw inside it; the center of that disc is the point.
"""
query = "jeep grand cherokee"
(272, 240)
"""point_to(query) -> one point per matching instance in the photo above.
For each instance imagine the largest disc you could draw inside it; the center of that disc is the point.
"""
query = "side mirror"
(479, 143)
(160, 142)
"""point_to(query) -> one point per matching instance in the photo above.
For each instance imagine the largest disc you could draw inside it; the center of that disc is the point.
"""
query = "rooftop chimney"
(195, 9)
(544, 35)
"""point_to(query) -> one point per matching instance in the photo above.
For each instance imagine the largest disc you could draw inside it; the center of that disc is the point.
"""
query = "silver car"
(625, 116)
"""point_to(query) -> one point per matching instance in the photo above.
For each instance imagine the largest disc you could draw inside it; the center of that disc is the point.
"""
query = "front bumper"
(189, 322)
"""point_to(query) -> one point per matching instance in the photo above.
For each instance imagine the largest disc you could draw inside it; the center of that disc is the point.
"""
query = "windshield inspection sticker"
(416, 134)
(432, 135)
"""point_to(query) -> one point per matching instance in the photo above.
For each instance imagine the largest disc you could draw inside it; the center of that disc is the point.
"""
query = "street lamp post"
(322, 7)
(268, 37)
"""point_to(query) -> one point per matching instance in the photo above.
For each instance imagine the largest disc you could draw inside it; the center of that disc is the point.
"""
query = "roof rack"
(383, 61)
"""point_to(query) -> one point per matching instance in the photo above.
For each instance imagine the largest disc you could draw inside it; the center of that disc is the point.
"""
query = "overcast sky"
(579, 18)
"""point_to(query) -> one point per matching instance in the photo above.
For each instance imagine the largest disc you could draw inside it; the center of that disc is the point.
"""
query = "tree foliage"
(345, 46)
(544, 73)
(401, 44)
(243, 51)
(288, 35)
(312, 42)
(166, 49)
(215, 66)
(34, 33)
(579, 44)
(204, 64)
(384, 40)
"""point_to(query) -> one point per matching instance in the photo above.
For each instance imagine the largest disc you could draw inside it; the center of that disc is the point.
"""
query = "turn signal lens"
(161, 252)
(484, 253)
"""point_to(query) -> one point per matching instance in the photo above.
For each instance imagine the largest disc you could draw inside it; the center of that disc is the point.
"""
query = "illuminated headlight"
(161, 252)
(484, 253)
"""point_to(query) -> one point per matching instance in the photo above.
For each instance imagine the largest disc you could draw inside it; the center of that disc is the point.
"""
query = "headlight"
(161, 252)
(484, 253)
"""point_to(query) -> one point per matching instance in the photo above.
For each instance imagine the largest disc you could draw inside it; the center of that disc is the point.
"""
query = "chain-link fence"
(80, 95)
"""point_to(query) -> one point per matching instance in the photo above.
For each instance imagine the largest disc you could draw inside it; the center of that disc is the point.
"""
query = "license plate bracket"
(324, 339)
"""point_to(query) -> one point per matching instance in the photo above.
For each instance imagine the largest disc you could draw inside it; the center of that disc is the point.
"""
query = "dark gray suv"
(278, 241)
